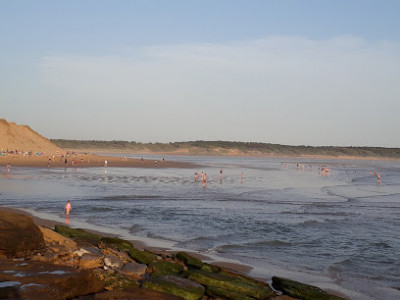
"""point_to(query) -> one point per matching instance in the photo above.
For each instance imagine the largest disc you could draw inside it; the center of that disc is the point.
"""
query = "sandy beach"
(228, 153)
(80, 160)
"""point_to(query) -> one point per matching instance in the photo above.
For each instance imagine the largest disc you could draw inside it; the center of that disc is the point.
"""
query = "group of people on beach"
(203, 177)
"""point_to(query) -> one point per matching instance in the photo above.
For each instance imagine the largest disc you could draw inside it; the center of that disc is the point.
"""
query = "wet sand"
(86, 161)
(230, 153)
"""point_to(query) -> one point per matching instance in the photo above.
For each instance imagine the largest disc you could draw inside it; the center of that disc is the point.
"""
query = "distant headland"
(21, 139)
(227, 148)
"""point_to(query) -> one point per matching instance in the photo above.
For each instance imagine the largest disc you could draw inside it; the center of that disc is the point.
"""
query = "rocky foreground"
(66, 263)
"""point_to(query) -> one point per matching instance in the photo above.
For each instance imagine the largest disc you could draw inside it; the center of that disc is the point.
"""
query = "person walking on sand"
(68, 207)
(220, 175)
(105, 164)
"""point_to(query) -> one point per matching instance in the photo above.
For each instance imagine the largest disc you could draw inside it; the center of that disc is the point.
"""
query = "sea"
(337, 229)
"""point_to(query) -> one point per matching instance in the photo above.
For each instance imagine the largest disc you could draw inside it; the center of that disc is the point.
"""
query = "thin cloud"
(307, 91)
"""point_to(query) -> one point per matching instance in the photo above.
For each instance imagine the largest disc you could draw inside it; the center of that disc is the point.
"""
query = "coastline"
(99, 158)
(229, 153)
(87, 160)
(38, 262)
(161, 248)
(152, 245)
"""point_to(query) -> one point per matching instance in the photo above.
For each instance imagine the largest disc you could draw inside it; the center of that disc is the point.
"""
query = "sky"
(318, 73)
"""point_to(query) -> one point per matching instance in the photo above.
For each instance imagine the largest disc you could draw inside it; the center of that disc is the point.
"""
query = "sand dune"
(18, 140)
(23, 139)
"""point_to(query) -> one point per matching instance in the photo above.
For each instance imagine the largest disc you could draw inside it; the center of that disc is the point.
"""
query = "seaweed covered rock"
(190, 261)
(234, 283)
(19, 236)
(143, 257)
(78, 234)
(300, 290)
(134, 293)
(117, 243)
(177, 286)
(163, 267)
(194, 263)
(221, 293)
(210, 268)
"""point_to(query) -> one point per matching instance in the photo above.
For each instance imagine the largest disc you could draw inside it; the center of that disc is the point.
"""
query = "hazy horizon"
(290, 73)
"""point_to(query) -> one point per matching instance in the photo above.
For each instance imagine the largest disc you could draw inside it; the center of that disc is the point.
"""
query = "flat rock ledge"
(67, 263)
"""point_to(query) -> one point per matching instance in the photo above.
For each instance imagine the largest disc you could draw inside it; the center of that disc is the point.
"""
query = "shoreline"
(71, 263)
(149, 244)
(161, 247)
(104, 158)
(234, 153)
(88, 160)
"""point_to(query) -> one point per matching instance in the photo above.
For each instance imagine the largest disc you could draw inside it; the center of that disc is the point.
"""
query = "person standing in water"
(378, 177)
(204, 181)
(68, 207)
(220, 175)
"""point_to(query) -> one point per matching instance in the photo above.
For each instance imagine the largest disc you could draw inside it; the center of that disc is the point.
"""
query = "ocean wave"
(101, 209)
(310, 222)
(134, 228)
(336, 269)
(327, 213)
(125, 198)
(254, 245)
(381, 245)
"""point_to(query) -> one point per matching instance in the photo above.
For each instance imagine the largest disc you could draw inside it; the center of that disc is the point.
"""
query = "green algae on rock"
(177, 286)
(300, 290)
(210, 268)
(190, 261)
(241, 285)
(143, 257)
(219, 293)
(77, 233)
(117, 243)
(163, 267)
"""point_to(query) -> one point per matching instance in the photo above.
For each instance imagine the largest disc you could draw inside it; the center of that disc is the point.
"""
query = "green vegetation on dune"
(225, 147)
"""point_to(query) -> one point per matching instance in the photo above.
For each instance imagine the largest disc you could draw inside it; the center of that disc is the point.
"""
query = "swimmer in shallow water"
(68, 207)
